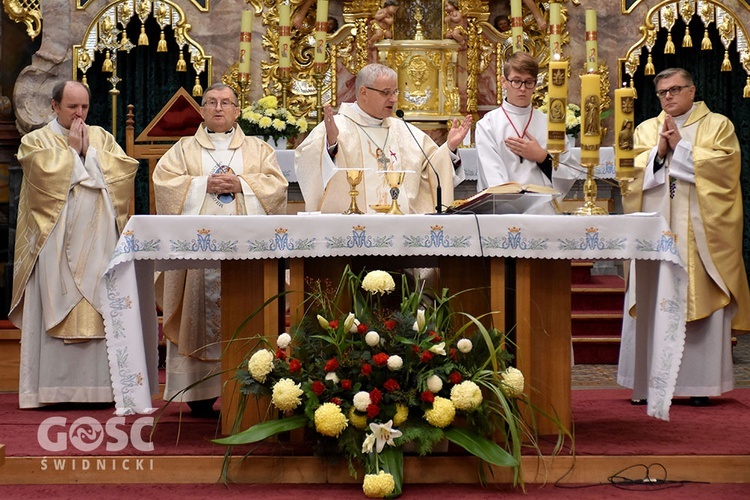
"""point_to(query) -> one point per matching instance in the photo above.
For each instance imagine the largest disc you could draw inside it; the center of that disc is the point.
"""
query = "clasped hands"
(668, 137)
(223, 183)
(78, 138)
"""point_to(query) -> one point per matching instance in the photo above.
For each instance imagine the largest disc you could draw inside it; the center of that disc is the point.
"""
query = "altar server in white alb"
(512, 139)
(365, 135)
(74, 199)
(218, 171)
(690, 164)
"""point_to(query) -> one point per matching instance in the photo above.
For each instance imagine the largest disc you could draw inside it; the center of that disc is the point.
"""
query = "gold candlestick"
(284, 79)
(319, 76)
(589, 206)
(243, 84)
(353, 177)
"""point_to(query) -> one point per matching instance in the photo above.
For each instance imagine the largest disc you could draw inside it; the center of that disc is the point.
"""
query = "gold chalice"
(353, 177)
(395, 178)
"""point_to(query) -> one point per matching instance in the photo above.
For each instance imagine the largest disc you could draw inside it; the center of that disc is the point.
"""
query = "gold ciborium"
(353, 177)
(395, 178)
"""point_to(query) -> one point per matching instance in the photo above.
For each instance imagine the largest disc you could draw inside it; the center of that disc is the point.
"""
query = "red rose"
(415, 348)
(372, 411)
(362, 328)
(366, 369)
(390, 324)
(391, 385)
(455, 377)
(427, 397)
(318, 387)
(346, 384)
(380, 359)
(435, 337)
(332, 365)
(336, 401)
(426, 357)
(333, 323)
(294, 366)
(280, 354)
(454, 354)
(376, 396)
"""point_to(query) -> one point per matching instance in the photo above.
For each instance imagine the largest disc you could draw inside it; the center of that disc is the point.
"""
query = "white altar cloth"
(173, 242)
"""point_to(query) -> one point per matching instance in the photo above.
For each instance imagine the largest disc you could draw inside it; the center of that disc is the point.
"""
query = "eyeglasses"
(517, 84)
(673, 91)
(384, 93)
(213, 103)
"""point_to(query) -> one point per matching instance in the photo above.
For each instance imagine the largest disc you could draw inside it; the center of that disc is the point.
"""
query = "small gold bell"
(84, 80)
(162, 45)
(181, 64)
(143, 38)
(107, 64)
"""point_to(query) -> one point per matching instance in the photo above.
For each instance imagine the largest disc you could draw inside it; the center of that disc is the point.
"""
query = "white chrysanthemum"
(283, 340)
(378, 282)
(466, 396)
(513, 382)
(465, 346)
(332, 377)
(361, 401)
(372, 338)
(260, 365)
(286, 394)
(395, 362)
(434, 384)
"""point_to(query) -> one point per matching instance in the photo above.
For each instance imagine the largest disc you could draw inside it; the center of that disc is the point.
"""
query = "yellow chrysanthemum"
(329, 420)
(466, 396)
(264, 121)
(402, 413)
(442, 412)
(513, 382)
(286, 394)
(378, 282)
(260, 365)
(302, 124)
(279, 125)
(378, 485)
(269, 101)
(357, 421)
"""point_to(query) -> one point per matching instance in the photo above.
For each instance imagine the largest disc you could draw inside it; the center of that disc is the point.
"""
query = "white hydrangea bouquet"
(266, 119)
(388, 372)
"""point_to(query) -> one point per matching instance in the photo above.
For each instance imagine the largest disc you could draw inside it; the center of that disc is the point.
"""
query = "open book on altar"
(508, 198)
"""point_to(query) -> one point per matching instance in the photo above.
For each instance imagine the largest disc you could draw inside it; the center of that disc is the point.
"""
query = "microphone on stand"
(439, 190)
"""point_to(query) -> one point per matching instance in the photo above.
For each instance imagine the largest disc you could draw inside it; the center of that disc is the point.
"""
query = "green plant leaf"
(392, 461)
(261, 431)
(480, 447)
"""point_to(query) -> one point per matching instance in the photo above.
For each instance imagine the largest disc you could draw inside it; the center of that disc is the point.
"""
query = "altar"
(540, 245)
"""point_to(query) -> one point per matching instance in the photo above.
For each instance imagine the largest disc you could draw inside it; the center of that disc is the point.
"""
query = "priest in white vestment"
(76, 191)
(512, 139)
(364, 135)
(218, 171)
(690, 172)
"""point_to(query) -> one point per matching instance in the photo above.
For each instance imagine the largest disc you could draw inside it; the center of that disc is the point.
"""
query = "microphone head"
(400, 113)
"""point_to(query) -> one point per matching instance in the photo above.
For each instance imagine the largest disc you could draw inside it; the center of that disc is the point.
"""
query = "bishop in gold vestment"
(74, 200)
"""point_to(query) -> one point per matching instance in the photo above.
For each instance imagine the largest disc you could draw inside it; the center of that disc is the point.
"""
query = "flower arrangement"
(572, 117)
(369, 379)
(265, 118)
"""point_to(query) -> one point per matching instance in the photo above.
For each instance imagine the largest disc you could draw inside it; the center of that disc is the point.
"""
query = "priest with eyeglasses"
(364, 134)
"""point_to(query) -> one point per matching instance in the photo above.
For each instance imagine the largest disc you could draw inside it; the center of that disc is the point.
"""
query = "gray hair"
(217, 86)
(669, 72)
(367, 75)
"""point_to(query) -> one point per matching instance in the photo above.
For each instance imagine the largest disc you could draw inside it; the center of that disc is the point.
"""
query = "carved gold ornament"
(28, 12)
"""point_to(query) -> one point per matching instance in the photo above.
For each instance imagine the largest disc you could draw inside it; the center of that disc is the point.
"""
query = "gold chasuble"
(48, 187)
(706, 217)
(375, 145)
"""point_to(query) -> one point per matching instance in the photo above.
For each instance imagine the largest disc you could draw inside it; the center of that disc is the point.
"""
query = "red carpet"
(605, 424)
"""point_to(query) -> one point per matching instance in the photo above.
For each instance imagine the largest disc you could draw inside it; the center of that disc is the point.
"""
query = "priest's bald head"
(70, 101)
(376, 87)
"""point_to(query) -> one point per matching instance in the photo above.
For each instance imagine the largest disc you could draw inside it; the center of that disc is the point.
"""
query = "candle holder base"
(589, 192)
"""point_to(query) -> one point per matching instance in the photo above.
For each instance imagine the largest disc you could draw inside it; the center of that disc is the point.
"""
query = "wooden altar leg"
(245, 286)
(543, 336)
(485, 280)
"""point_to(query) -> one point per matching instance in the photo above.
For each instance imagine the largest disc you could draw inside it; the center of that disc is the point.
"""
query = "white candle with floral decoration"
(321, 34)
(592, 50)
(246, 34)
(285, 43)
(516, 25)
